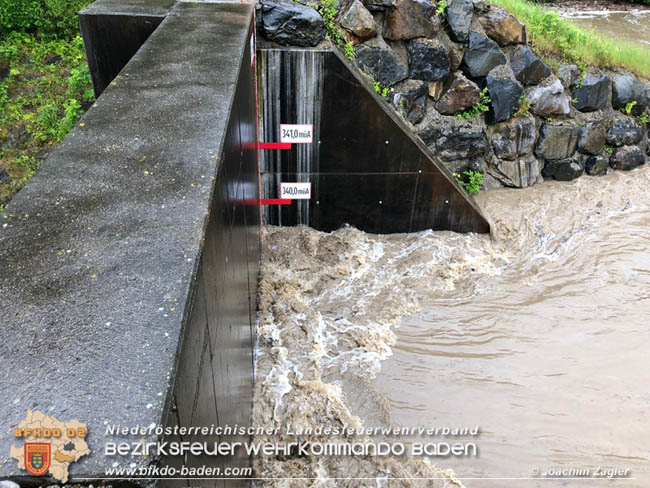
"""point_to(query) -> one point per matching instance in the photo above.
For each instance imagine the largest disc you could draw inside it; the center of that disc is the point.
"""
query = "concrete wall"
(130, 260)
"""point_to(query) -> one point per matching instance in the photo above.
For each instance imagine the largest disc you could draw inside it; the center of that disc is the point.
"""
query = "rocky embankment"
(437, 64)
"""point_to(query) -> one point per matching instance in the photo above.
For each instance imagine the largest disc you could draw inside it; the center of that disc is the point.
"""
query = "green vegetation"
(553, 35)
(441, 11)
(471, 181)
(483, 105)
(381, 90)
(609, 150)
(329, 9)
(44, 83)
(643, 118)
(349, 51)
(628, 107)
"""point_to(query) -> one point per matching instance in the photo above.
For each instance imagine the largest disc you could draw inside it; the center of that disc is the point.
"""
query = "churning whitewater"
(331, 305)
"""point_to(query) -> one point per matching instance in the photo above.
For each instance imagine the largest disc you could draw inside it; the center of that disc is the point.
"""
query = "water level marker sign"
(297, 133)
(295, 191)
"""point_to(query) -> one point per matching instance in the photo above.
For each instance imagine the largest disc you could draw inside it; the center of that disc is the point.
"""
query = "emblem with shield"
(37, 457)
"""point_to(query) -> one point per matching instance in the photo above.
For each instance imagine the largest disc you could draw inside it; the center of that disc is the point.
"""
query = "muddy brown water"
(539, 335)
(631, 25)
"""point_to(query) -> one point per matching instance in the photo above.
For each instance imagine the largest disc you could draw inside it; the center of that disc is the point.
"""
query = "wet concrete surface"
(100, 252)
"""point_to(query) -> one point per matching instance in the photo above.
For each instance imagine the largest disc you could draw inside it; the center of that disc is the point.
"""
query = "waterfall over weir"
(291, 93)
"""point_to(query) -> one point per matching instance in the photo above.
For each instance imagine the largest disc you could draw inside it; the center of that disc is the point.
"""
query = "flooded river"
(539, 336)
(631, 25)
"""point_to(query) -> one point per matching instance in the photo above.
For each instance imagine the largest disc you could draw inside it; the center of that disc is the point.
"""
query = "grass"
(45, 89)
(551, 34)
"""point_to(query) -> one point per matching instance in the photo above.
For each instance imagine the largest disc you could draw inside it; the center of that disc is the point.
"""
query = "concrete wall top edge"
(100, 249)
(129, 7)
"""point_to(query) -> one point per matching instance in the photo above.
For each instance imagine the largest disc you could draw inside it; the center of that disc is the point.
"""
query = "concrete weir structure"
(129, 264)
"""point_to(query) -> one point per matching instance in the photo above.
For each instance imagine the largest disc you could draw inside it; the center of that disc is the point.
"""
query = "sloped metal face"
(365, 166)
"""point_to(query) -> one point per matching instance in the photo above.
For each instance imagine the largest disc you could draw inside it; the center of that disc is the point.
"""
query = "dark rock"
(457, 141)
(428, 60)
(459, 18)
(527, 67)
(379, 5)
(462, 95)
(547, 101)
(410, 19)
(627, 157)
(358, 20)
(483, 55)
(591, 138)
(519, 173)
(292, 24)
(505, 95)
(593, 94)
(568, 74)
(596, 165)
(628, 89)
(455, 50)
(481, 6)
(624, 132)
(557, 142)
(4, 177)
(377, 59)
(513, 138)
(564, 170)
(410, 98)
(502, 27)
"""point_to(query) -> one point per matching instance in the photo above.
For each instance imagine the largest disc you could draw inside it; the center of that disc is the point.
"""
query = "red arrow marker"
(274, 145)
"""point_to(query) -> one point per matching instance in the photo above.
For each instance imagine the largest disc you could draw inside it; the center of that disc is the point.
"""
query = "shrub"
(47, 18)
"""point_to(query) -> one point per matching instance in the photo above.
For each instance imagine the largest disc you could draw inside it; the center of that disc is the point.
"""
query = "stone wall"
(434, 69)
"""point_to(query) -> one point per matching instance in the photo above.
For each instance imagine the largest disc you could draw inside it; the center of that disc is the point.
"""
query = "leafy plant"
(629, 107)
(441, 11)
(381, 90)
(470, 180)
(2, 207)
(643, 118)
(609, 150)
(483, 105)
(349, 51)
(329, 10)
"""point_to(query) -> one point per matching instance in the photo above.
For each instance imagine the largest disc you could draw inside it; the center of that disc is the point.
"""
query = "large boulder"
(292, 24)
(591, 138)
(557, 142)
(505, 95)
(482, 56)
(458, 140)
(514, 138)
(568, 74)
(527, 67)
(461, 95)
(459, 19)
(410, 19)
(377, 59)
(593, 93)
(519, 173)
(624, 132)
(379, 5)
(547, 101)
(428, 60)
(358, 20)
(502, 27)
(628, 89)
(627, 157)
(596, 165)
(410, 99)
(565, 169)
